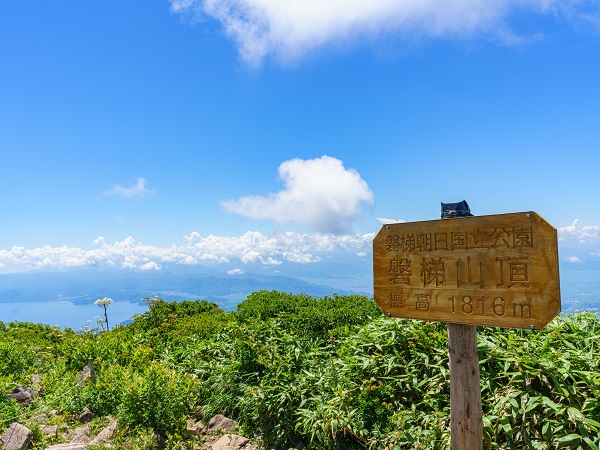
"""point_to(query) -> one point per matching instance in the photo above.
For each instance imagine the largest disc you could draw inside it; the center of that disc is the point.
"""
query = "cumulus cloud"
(572, 259)
(385, 221)
(320, 193)
(577, 231)
(235, 272)
(251, 247)
(289, 29)
(137, 190)
(150, 266)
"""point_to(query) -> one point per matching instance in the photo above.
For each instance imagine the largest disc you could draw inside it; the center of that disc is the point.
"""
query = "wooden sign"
(499, 270)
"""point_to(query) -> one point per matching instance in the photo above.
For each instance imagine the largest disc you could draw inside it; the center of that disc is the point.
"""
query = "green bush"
(27, 348)
(330, 372)
(263, 305)
(542, 389)
(157, 398)
(163, 315)
(9, 409)
(388, 385)
(275, 364)
(167, 325)
(307, 316)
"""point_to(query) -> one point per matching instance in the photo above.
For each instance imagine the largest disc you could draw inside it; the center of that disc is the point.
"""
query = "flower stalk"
(104, 302)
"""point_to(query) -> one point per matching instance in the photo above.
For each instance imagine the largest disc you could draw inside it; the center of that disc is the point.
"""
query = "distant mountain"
(580, 283)
(85, 285)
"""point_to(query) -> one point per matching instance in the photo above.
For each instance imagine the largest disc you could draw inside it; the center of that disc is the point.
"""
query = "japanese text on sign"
(493, 270)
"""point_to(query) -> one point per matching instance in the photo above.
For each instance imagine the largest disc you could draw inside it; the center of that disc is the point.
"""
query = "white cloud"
(251, 247)
(137, 190)
(181, 5)
(320, 193)
(573, 259)
(150, 266)
(584, 234)
(385, 221)
(289, 29)
(99, 241)
(235, 272)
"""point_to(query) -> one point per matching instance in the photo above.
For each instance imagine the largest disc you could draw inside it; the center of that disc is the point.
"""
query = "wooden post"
(516, 250)
(466, 424)
(92, 370)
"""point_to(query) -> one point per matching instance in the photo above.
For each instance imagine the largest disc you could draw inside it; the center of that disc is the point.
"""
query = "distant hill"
(86, 285)
(580, 284)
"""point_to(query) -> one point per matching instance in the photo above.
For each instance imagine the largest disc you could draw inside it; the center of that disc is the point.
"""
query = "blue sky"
(142, 134)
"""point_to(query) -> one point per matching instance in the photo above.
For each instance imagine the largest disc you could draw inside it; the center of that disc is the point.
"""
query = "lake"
(580, 290)
(67, 314)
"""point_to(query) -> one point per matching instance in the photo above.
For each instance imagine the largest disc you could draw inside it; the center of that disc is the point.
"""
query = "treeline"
(331, 373)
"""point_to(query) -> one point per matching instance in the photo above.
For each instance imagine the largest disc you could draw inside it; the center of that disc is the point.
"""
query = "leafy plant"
(158, 399)
(331, 373)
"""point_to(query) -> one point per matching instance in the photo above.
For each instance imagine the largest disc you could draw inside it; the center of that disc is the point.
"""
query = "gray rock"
(85, 376)
(105, 435)
(253, 447)
(86, 415)
(16, 437)
(298, 446)
(160, 441)
(230, 442)
(195, 429)
(220, 422)
(67, 447)
(82, 434)
(49, 430)
(23, 395)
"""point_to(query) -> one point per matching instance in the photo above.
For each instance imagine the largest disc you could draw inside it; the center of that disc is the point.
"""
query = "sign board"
(499, 270)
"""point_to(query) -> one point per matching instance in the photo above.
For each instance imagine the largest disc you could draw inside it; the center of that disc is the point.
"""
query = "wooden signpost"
(499, 270)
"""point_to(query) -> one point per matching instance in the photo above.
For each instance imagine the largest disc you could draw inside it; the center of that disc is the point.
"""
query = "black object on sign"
(460, 209)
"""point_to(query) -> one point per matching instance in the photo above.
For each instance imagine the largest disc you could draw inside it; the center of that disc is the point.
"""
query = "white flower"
(104, 302)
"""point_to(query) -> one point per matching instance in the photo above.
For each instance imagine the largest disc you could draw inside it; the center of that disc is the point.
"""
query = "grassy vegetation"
(331, 373)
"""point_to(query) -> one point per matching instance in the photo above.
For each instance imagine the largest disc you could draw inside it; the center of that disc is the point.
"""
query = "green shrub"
(162, 315)
(9, 409)
(77, 351)
(167, 325)
(157, 398)
(307, 316)
(330, 372)
(387, 385)
(27, 348)
(263, 305)
(106, 395)
(542, 389)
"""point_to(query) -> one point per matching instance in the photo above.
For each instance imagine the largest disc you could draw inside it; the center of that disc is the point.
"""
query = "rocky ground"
(218, 434)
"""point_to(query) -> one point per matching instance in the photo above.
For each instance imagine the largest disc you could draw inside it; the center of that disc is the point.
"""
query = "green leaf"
(568, 438)
(590, 444)
(592, 422)
(545, 428)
